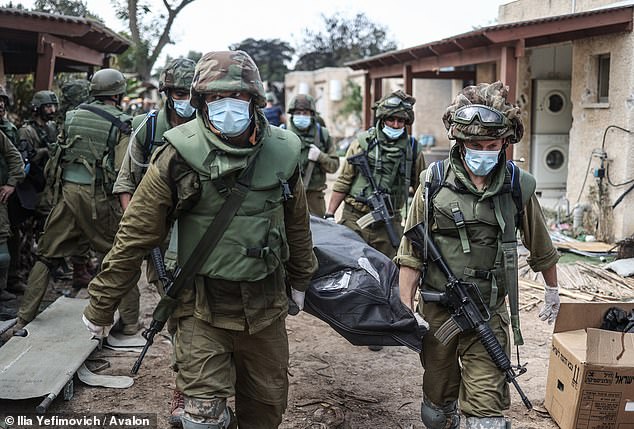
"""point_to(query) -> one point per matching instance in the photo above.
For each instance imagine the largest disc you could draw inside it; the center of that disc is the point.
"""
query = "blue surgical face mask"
(481, 162)
(229, 115)
(392, 133)
(183, 108)
(301, 121)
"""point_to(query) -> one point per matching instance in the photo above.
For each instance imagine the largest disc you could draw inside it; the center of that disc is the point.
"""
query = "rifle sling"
(215, 230)
(124, 127)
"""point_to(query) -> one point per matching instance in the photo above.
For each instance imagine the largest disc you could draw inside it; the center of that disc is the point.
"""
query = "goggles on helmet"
(487, 116)
(396, 102)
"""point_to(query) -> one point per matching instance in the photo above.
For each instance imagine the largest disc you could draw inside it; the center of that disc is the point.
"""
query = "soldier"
(273, 112)
(175, 82)
(11, 172)
(40, 131)
(395, 164)
(85, 163)
(6, 126)
(318, 152)
(231, 338)
(476, 202)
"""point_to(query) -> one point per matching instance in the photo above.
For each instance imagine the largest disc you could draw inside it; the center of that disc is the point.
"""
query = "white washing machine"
(552, 108)
(549, 160)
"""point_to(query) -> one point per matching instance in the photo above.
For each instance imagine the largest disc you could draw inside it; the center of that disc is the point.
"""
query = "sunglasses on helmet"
(395, 102)
(486, 115)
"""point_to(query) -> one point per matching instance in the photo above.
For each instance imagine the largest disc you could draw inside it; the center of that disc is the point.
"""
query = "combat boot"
(5, 295)
(177, 409)
(81, 276)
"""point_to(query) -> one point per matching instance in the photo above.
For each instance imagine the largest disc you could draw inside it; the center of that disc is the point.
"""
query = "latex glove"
(421, 322)
(313, 153)
(99, 332)
(551, 304)
(298, 297)
(330, 217)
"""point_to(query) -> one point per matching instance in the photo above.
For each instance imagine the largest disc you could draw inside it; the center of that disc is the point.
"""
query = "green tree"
(353, 101)
(341, 40)
(65, 7)
(271, 56)
(149, 29)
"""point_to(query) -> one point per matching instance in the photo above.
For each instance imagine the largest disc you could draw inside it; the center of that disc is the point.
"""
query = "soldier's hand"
(98, 332)
(313, 153)
(551, 304)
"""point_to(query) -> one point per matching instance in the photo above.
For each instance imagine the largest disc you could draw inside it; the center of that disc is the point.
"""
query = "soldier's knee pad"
(208, 414)
(488, 423)
(5, 257)
(439, 417)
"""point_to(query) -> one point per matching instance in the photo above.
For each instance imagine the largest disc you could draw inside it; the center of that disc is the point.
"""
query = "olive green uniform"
(231, 337)
(9, 129)
(86, 215)
(463, 369)
(388, 161)
(328, 162)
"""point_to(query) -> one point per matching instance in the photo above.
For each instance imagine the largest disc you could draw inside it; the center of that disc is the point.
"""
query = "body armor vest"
(254, 244)
(88, 153)
(317, 135)
(387, 163)
(477, 233)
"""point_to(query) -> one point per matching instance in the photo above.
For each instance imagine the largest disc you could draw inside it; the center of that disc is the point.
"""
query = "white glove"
(97, 331)
(313, 153)
(298, 297)
(551, 304)
(421, 322)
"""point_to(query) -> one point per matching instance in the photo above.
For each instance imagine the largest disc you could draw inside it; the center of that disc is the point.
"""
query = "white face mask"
(302, 121)
(229, 115)
(481, 162)
(392, 133)
(183, 108)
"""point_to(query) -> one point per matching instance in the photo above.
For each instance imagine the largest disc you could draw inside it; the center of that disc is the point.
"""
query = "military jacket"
(172, 189)
(34, 140)
(387, 160)
(10, 130)
(478, 261)
(328, 161)
(11, 165)
(137, 156)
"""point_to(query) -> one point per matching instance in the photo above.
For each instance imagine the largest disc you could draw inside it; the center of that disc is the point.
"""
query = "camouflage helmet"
(302, 102)
(227, 71)
(4, 96)
(107, 82)
(75, 92)
(43, 97)
(503, 122)
(177, 74)
(396, 104)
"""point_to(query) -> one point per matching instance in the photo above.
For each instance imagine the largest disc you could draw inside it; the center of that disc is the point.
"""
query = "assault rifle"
(467, 309)
(379, 201)
(165, 307)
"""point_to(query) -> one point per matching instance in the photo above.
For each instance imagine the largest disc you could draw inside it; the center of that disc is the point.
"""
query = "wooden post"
(45, 64)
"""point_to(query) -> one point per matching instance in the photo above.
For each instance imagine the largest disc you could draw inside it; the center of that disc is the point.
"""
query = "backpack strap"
(122, 126)
(149, 136)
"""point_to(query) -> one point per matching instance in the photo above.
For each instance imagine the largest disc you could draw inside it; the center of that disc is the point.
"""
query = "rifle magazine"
(447, 331)
(366, 220)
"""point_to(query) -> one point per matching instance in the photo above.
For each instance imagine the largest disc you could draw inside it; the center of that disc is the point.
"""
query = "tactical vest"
(477, 234)
(10, 130)
(87, 155)
(150, 135)
(318, 136)
(254, 244)
(389, 163)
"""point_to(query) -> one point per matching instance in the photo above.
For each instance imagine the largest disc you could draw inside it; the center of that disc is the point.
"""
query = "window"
(603, 84)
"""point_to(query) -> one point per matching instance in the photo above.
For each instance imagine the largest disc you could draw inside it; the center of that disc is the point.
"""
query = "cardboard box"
(591, 371)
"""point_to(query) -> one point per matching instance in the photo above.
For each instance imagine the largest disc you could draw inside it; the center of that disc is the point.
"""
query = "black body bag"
(355, 290)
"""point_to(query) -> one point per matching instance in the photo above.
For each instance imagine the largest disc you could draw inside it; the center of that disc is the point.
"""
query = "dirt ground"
(332, 383)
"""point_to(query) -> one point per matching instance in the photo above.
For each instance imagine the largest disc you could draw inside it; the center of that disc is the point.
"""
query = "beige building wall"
(590, 121)
(329, 88)
(523, 10)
